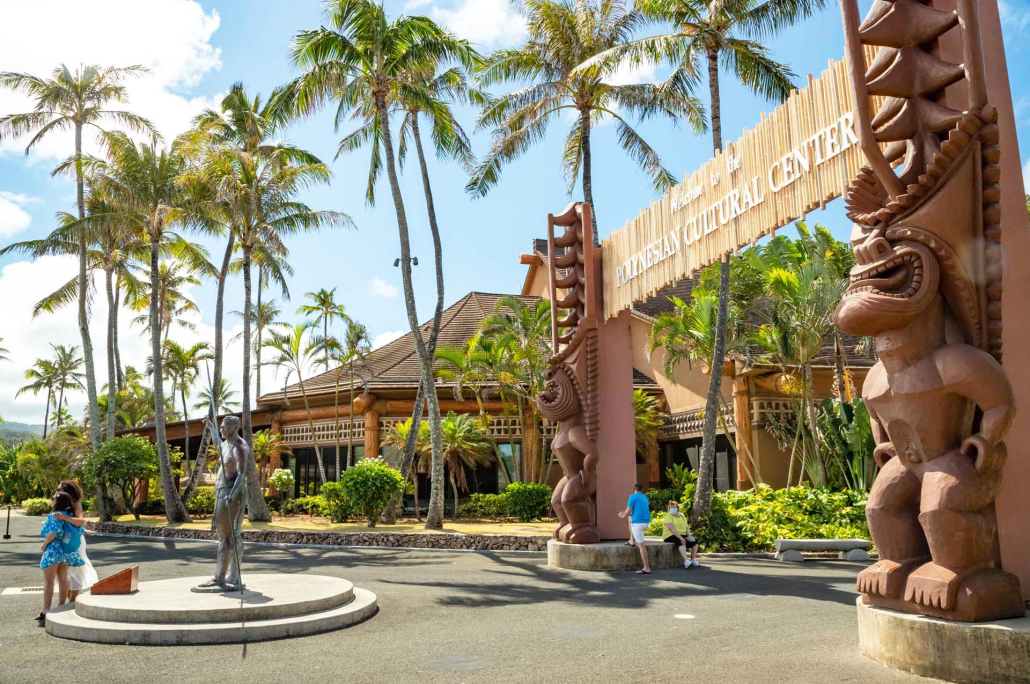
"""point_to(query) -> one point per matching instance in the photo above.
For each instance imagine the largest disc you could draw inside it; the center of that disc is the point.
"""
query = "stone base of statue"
(611, 555)
(981, 653)
(213, 587)
(169, 613)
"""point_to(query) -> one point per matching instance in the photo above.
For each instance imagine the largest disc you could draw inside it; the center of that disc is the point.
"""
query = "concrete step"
(65, 623)
(266, 597)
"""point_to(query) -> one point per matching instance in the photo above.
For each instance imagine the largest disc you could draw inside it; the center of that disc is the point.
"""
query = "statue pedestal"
(607, 556)
(167, 613)
(980, 653)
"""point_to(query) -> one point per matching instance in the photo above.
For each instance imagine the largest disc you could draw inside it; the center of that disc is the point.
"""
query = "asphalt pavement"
(474, 617)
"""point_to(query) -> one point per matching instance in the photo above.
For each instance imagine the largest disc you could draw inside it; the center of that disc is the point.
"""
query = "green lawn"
(513, 528)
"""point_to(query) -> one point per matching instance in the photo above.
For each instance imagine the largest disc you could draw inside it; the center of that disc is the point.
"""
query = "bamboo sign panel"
(796, 159)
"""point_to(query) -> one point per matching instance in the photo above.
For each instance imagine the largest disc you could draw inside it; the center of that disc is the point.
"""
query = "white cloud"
(23, 283)
(170, 37)
(14, 219)
(1026, 176)
(415, 4)
(383, 339)
(383, 288)
(1015, 18)
(485, 23)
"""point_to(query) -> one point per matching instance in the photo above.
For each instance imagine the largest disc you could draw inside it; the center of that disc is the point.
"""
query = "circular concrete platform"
(973, 652)
(614, 555)
(165, 612)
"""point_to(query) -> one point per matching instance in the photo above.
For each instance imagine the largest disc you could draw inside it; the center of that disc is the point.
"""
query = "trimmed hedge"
(527, 501)
(484, 506)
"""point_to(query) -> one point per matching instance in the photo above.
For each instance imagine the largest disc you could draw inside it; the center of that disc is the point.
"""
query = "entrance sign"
(798, 158)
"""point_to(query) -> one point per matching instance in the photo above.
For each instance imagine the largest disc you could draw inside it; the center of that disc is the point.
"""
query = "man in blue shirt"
(638, 508)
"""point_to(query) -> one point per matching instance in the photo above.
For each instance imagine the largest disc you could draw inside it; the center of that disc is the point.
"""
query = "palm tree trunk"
(434, 520)
(414, 481)
(174, 510)
(408, 458)
(258, 325)
(454, 488)
(58, 415)
(311, 426)
(114, 332)
(46, 414)
(257, 508)
(87, 343)
(350, 424)
(703, 494)
(713, 88)
(818, 470)
(588, 185)
(838, 366)
(112, 384)
(185, 427)
(198, 469)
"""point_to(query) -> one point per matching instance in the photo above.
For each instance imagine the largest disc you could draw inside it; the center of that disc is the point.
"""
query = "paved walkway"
(477, 617)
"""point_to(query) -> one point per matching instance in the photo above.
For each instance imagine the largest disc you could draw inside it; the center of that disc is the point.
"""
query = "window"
(687, 452)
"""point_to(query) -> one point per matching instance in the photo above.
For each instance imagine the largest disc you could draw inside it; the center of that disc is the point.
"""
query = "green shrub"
(484, 506)
(660, 498)
(337, 505)
(152, 506)
(371, 485)
(753, 520)
(283, 480)
(527, 500)
(305, 505)
(36, 506)
(203, 501)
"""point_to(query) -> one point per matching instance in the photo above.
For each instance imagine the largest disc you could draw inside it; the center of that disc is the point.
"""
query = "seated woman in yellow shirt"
(677, 531)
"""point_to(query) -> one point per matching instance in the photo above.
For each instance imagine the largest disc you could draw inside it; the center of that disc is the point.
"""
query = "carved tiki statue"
(571, 394)
(927, 288)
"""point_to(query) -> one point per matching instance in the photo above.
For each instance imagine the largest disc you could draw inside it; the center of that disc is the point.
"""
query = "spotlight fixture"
(397, 261)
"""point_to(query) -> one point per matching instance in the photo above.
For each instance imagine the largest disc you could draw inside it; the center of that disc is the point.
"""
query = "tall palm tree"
(356, 347)
(224, 398)
(563, 35)
(325, 309)
(271, 267)
(466, 443)
(703, 33)
(143, 182)
(181, 367)
(67, 377)
(294, 351)
(74, 101)
(266, 314)
(358, 58)
(523, 337)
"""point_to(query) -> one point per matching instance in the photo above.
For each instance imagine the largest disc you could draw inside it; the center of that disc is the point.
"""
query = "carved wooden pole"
(742, 419)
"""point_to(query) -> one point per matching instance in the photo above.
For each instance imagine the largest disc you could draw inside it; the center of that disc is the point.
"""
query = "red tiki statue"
(571, 394)
(927, 288)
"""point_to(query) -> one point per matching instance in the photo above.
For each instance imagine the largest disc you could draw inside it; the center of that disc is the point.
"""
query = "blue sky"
(197, 49)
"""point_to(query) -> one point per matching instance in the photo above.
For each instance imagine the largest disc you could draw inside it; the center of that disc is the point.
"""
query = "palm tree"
(181, 367)
(356, 347)
(224, 401)
(397, 436)
(523, 335)
(173, 278)
(325, 309)
(266, 314)
(143, 183)
(42, 376)
(563, 35)
(295, 351)
(268, 445)
(466, 443)
(704, 33)
(358, 59)
(805, 292)
(647, 419)
(76, 101)
(66, 365)
(689, 334)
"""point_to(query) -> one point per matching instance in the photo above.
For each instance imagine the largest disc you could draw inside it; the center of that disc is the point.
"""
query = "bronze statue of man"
(230, 502)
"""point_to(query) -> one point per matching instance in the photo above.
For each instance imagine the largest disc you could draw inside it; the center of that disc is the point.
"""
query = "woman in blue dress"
(60, 551)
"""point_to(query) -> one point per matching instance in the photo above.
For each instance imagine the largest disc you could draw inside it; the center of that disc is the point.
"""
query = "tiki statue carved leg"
(893, 515)
(559, 509)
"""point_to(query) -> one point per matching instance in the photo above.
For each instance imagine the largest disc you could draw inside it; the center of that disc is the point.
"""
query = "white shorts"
(638, 531)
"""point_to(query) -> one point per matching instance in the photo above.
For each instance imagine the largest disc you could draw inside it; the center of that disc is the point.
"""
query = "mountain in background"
(12, 432)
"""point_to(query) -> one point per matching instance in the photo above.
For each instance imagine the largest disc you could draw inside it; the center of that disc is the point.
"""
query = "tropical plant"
(337, 505)
(225, 399)
(848, 440)
(181, 367)
(466, 444)
(269, 446)
(647, 419)
(527, 501)
(266, 315)
(57, 376)
(294, 351)
(521, 334)
(122, 463)
(397, 436)
(173, 279)
(74, 101)
(325, 310)
(282, 479)
(370, 486)
(352, 355)
(562, 36)
(43, 467)
(358, 59)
